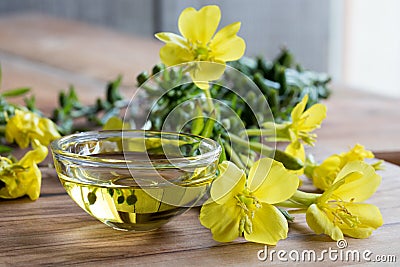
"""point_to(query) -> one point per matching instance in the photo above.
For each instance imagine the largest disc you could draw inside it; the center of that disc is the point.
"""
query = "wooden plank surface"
(390, 156)
(359, 117)
(54, 230)
(49, 54)
(46, 82)
(76, 47)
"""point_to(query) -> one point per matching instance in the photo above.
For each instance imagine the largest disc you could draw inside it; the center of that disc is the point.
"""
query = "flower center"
(249, 204)
(201, 53)
(341, 215)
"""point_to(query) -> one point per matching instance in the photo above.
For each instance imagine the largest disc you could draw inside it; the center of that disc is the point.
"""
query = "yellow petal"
(17, 126)
(226, 45)
(229, 183)
(369, 216)
(299, 109)
(26, 180)
(319, 222)
(222, 220)
(169, 37)
(173, 54)
(330, 164)
(314, 117)
(199, 26)
(296, 149)
(329, 193)
(49, 130)
(358, 152)
(324, 174)
(270, 182)
(9, 181)
(33, 180)
(9, 132)
(269, 226)
(202, 85)
(116, 123)
(37, 155)
(25, 126)
(359, 232)
(113, 123)
(204, 71)
(359, 189)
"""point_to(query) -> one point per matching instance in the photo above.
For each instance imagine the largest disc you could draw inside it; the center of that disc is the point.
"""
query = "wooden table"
(49, 54)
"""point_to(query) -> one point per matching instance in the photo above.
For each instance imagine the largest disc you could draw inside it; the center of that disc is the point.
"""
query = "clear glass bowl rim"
(87, 160)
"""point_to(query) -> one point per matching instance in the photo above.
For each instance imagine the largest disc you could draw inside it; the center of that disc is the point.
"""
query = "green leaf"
(72, 96)
(198, 122)
(222, 157)
(30, 103)
(5, 149)
(113, 94)
(285, 58)
(15, 92)
(209, 126)
(142, 78)
(157, 68)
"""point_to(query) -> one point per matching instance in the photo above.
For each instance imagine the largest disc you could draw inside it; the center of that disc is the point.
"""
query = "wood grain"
(358, 117)
(393, 157)
(77, 47)
(54, 230)
(46, 82)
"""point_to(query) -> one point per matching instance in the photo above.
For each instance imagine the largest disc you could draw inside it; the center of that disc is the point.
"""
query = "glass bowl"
(135, 180)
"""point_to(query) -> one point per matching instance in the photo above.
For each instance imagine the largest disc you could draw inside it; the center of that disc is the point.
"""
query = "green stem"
(234, 157)
(209, 99)
(304, 198)
(290, 204)
(297, 211)
(309, 169)
(246, 160)
(259, 132)
(300, 200)
(255, 146)
(2, 129)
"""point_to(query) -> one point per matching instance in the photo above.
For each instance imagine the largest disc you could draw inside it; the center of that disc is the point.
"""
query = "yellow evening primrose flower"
(116, 123)
(26, 126)
(302, 125)
(244, 207)
(340, 209)
(299, 130)
(324, 174)
(23, 177)
(199, 43)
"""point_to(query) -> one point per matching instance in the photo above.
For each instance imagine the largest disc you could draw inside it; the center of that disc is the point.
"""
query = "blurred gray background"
(302, 25)
(355, 41)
